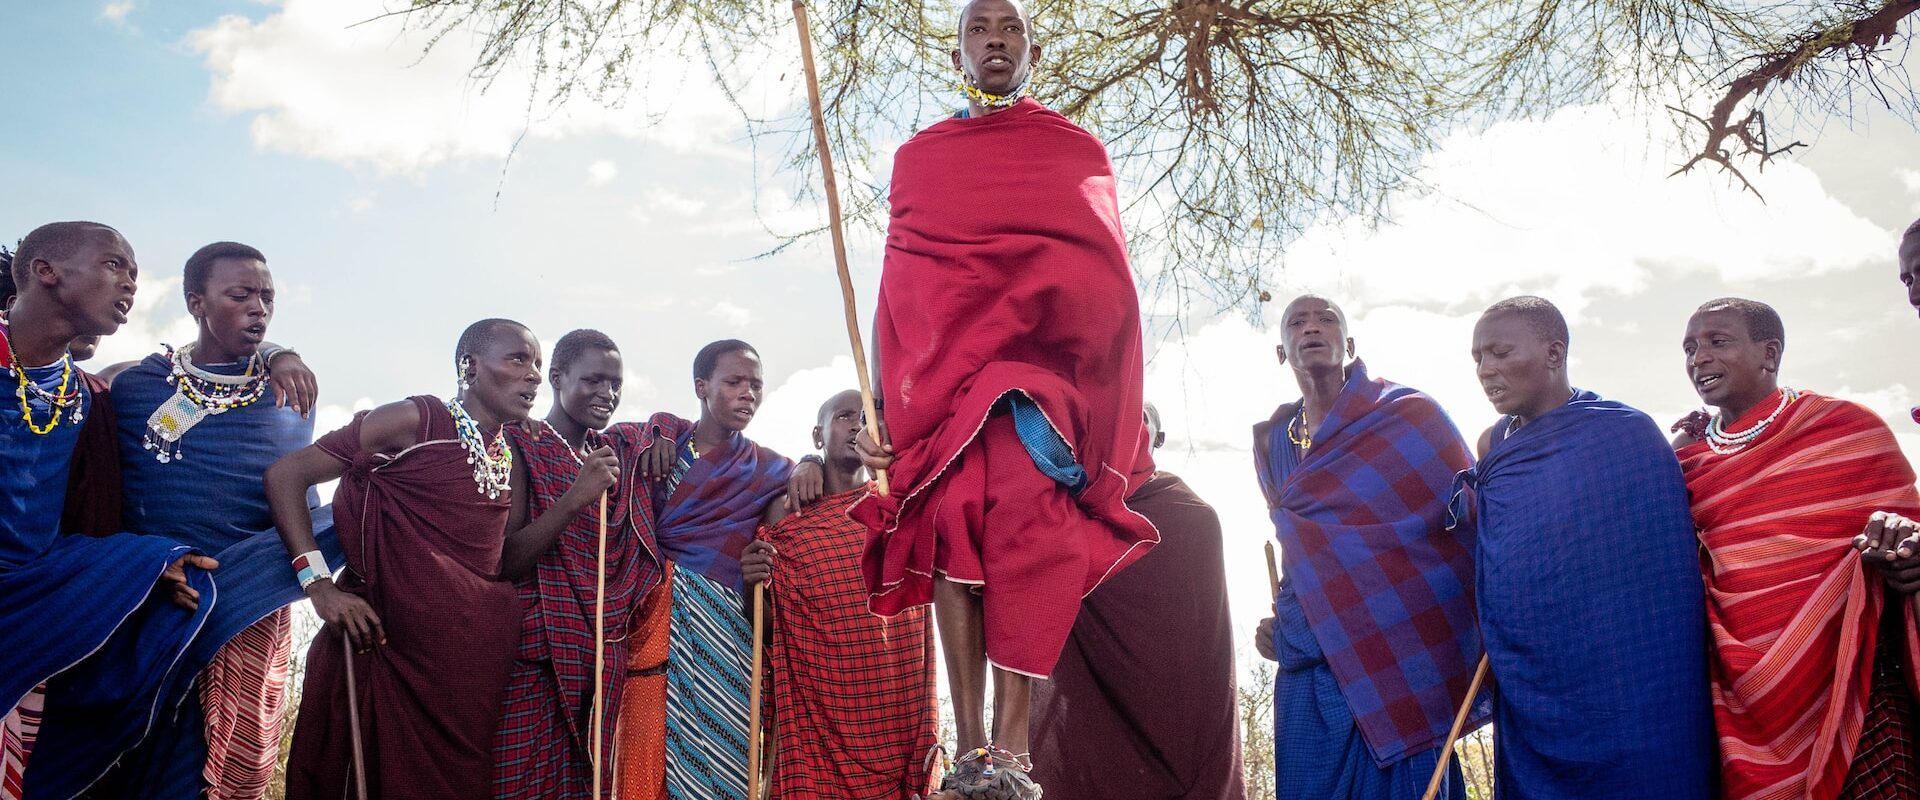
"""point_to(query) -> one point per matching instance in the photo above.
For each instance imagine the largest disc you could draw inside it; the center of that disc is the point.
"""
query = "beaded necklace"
(994, 100)
(197, 395)
(492, 463)
(68, 393)
(1727, 444)
(1303, 439)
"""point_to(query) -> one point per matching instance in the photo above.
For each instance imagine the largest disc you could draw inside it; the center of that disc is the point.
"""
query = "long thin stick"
(753, 693)
(599, 653)
(353, 724)
(1273, 574)
(839, 238)
(1459, 721)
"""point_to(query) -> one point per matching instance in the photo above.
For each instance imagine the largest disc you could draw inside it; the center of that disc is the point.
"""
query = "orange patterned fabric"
(640, 756)
(244, 692)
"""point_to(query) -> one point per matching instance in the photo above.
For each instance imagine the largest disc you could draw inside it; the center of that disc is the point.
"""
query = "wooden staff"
(1459, 721)
(353, 724)
(753, 692)
(839, 238)
(599, 653)
(1273, 574)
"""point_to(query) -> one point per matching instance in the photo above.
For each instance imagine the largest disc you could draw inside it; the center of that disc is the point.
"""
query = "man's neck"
(569, 428)
(1734, 411)
(844, 477)
(1318, 391)
(38, 334)
(208, 350)
(482, 416)
(708, 434)
(1560, 396)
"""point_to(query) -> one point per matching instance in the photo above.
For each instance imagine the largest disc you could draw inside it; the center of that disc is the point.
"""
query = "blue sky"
(369, 178)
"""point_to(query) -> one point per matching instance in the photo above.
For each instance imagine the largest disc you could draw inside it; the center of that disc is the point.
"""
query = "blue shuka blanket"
(214, 500)
(1592, 608)
(74, 610)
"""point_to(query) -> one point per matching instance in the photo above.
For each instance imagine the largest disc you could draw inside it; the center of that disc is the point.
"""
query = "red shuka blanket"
(853, 694)
(1793, 611)
(1006, 271)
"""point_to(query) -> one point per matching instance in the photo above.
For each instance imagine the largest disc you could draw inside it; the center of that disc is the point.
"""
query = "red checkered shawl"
(559, 600)
(1792, 610)
(853, 693)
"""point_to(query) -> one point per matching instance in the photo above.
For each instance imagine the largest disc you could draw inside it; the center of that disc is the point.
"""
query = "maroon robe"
(1143, 704)
(93, 485)
(423, 548)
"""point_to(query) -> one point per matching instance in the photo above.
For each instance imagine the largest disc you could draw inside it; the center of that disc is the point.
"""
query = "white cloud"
(337, 80)
(602, 172)
(786, 417)
(1572, 206)
(730, 313)
(661, 198)
(116, 12)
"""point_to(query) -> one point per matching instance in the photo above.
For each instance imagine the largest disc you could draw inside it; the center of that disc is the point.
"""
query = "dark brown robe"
(1143, 704)
(423, 548)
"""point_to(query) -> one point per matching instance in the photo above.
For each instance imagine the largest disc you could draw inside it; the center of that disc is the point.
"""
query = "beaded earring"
(460, 373)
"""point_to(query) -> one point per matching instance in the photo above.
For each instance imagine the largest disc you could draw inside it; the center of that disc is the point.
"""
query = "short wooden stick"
(1459, 721)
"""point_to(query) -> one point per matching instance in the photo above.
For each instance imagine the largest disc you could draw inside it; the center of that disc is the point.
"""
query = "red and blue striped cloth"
(1385, 587)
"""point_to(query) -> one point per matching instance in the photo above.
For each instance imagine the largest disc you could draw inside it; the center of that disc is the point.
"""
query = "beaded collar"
(197, 395)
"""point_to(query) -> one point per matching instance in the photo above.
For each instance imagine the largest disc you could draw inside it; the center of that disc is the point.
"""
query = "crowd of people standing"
(571, 607)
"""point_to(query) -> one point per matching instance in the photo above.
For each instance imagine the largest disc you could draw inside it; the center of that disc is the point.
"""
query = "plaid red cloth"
(542, 747)
(1792, 610)
(1887, 766)
(853, 693)
(1384, 585)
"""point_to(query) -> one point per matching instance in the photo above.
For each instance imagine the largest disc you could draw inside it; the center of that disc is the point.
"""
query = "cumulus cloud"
(1573, 206)
(338, 80)
(116, 12)
(730, 313)
(602, 172)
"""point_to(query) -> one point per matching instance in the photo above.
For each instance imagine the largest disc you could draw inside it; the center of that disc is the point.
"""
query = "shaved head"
(1316, 301)
(1543, 318)
(835, 402)
(1763, 323)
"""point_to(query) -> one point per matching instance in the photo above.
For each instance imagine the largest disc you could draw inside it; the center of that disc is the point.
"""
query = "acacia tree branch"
(1749, 133)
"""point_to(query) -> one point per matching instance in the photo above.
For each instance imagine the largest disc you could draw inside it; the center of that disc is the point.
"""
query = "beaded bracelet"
(310, 567)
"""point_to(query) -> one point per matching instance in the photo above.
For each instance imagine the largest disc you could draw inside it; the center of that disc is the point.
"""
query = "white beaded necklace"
(1727, 444)
(492, 465)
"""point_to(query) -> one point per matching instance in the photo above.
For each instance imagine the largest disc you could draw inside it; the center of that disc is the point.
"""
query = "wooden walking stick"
(1459, 721)
(1273, 574)
(753, 692)
(353, 724)
(599, 653)
(839, 238)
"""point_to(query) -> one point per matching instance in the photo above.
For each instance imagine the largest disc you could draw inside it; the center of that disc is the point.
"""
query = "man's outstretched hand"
(173, 580)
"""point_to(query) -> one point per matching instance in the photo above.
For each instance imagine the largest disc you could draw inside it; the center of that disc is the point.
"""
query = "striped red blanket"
(853, 693)
(17, 731)
(244, 694)
(1793, 612)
